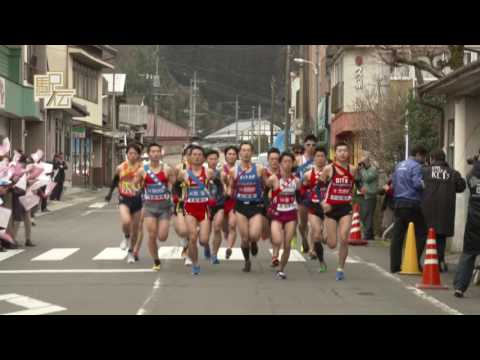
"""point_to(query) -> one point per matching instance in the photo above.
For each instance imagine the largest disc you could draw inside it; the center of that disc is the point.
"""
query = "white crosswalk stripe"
(98, 205)
(111, 253)
(9, 254)
(56, 254)
(295, 256)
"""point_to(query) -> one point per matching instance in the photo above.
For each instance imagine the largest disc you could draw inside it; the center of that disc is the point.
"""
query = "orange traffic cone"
(431, 271)
(355, 231)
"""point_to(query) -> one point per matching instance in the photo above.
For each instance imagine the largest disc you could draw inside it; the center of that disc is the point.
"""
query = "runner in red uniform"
(338, 203)
(229, 223)
(283, 209)
(315, 191)
(197, 201)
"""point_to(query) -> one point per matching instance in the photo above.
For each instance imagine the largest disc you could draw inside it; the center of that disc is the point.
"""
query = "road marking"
(56, 254)
(98, 205)
(9, 254)
(156, 285)
(236, 254)
(295, 255)
(111, 253)
(170, 253)
(33, 306)
(74, 271)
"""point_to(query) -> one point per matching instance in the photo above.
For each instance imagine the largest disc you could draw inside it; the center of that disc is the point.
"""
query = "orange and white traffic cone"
(431, 270)
(355, 231)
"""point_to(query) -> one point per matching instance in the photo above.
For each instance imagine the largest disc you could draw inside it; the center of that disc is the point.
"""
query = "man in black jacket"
(59, 167)
(471, 240)
(439, 198)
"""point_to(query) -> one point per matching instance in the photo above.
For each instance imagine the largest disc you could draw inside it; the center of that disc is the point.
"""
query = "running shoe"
(458, 293)
(281, 275)
(215, 260)
(228, 253)
(195, 270)
(130, 258)
(313, 256)
(340, 275)
(322, 268)
(188, 262)
(248, 266)
(254, 249)
(206, 252)
(124, 243)
(275, 262)
(156, 267)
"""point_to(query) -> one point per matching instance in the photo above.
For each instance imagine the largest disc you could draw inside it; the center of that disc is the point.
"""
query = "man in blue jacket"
(408, 186)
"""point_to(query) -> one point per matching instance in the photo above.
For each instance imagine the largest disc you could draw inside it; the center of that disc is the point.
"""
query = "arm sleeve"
(417, 177)
(114, 184)
(460, 184)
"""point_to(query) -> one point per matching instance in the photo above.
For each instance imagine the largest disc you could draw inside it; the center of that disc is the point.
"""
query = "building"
(248, 130)
(133, 121)
(461, 127)
(81, 138)
(172, 136)
(18, 64)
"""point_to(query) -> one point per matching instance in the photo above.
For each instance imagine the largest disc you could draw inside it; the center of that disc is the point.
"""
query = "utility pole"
(287, 99)
(236, 117)
(272, 85)
(317, 88)
(156, 85)
(259, 128)
(253, 124)
(194, 104)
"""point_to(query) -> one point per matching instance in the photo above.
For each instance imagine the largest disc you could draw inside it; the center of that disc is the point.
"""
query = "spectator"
(368, 181)
(471, 240)
(439, 198)
(59, 167)
(388, 204)
(408, 187)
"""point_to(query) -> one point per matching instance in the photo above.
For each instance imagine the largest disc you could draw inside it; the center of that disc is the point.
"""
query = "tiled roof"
(165, 128)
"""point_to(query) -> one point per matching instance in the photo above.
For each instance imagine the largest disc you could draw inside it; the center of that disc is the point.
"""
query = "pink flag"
(29, 201)
(5, 147)
(34, 171)
(51, 185)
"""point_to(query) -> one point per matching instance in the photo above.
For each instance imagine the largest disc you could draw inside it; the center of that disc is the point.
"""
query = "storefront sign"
(50, 88)
(3, 93)
(79, 132)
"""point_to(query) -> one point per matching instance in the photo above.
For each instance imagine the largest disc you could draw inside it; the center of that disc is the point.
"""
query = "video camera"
(473, 159)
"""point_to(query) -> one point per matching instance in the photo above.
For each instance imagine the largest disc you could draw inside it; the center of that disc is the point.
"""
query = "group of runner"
(205, 199)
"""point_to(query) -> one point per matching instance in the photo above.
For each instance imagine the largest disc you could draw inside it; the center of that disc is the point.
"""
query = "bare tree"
(381, 117)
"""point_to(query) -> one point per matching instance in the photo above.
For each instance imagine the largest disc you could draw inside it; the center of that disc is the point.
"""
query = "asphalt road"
(61, 276)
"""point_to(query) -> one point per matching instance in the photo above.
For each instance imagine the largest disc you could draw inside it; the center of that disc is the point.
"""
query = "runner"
(179, 193)
(283, 209)
(273, 157)
(217, 191)
(246, 181)
(305, 163)
(158, 179)
(338, 203)
(130, 200)
(197, 201)
(315, 191)
(229, 223)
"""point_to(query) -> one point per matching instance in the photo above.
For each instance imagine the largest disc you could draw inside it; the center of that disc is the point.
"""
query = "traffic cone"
(355, 231)
(410, 261)
(431, 270)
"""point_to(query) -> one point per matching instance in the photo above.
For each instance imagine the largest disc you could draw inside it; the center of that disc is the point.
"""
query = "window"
(338, 72)
(401, 72)
(85, 82)
(451, 142)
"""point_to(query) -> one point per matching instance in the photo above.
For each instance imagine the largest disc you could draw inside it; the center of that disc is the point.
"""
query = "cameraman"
(367, 179)
(471, 240)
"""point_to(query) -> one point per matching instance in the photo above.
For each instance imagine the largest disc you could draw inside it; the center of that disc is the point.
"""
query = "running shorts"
(198, 211)
(157, 210)
(249, 210)
(339, 211)
(285, 216)
(133, 203)
(316, 209)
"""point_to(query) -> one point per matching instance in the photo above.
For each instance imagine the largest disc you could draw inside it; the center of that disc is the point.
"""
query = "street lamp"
(316, 72)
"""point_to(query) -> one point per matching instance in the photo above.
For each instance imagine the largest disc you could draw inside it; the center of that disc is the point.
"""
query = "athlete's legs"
(242, 223)
(289, 230)
(344, 230)
(192, 225)
(134, 230)
(152, 230)
(303, 226)
(163, 229)
(331, 226)
(278, 235)
(316, 227)
(232, 229)
(180, 225)
(141, 222)
(255, 226)
(204, 233)
(266, 229)
(125, 219)
(217, 231)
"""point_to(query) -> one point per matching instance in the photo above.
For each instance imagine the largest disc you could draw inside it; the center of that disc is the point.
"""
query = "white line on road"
(156, 285)
(9, 254)
(295, 255)
(74, 271)
(98, 205)
(111, 253)
(56, 254)
(33, 306)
